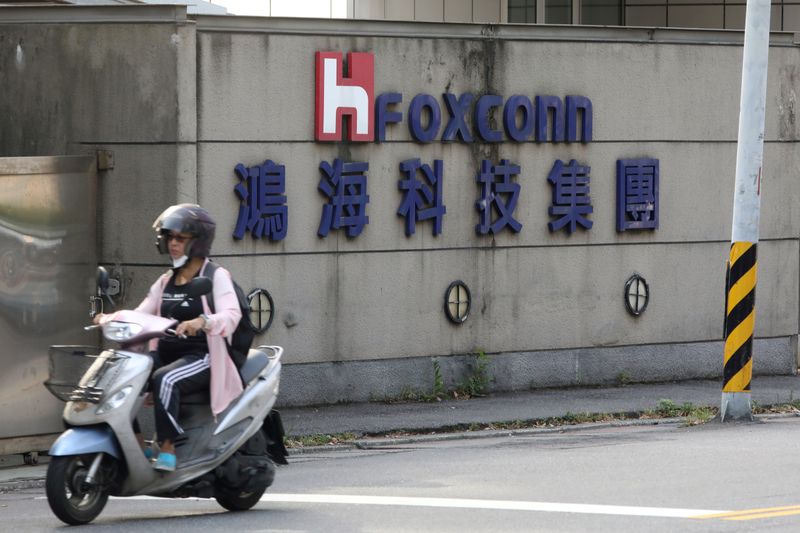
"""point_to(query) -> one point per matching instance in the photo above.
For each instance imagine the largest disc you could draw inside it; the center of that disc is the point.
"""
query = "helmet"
(186, 218)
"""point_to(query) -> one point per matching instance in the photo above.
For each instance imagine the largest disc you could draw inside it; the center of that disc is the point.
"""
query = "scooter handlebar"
(171, 331)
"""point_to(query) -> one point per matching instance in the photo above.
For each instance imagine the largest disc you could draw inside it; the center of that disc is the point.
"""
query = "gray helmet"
(186, 218)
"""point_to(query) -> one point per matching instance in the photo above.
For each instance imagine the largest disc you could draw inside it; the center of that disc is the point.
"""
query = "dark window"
(522, 11)
(601, 12)
(558, 11)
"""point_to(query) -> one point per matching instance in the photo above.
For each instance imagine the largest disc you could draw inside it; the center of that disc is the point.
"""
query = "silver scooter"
(231, 458)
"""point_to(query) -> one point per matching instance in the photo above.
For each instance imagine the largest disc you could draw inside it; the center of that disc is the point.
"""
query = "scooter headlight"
(120, 331)
(115, 401)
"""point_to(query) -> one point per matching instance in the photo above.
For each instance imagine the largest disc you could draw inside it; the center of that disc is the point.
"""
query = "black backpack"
(244, 333)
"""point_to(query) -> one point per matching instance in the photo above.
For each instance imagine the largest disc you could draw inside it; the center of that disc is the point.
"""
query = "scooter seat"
(255, 363)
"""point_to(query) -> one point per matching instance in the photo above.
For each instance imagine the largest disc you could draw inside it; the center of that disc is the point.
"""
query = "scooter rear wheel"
(71, 500)
(238, 500)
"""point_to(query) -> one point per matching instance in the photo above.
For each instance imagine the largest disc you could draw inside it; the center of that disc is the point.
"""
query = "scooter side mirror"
(97, 302)
(102, 280)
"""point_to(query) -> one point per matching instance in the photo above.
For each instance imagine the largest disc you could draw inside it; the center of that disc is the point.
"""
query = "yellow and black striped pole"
(740, 318)
(740, 315)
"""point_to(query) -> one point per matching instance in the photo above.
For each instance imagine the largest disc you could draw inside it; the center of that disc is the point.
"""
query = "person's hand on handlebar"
(191, 327)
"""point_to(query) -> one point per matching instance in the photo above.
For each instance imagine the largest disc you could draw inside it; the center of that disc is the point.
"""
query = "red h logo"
(338, 96)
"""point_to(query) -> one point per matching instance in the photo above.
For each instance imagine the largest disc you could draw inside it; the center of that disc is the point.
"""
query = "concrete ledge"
(76, 14)
(26, 444)
(477, 30)
(375, 380)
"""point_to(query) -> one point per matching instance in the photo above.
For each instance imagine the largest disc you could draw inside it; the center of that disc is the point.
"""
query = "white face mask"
(179, 262)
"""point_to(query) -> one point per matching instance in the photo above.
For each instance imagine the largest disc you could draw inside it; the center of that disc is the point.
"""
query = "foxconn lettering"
(465, 117)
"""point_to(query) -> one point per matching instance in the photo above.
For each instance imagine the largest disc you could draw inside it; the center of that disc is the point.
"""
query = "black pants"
(185, 375)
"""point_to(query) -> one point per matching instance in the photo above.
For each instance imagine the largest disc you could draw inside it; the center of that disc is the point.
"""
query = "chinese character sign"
(345, 185)
(637, 194)
(499, 192)
(422, 194)
(262, 209)
(571, 201)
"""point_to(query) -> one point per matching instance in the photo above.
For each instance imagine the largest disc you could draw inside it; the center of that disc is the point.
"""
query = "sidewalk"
(371, 418)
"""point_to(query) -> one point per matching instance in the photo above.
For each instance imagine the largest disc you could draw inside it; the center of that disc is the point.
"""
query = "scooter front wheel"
(73, 500)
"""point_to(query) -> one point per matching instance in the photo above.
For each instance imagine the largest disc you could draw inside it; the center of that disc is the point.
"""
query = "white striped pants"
(187, 374)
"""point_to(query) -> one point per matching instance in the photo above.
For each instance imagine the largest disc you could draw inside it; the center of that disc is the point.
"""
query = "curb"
(367, 444)
(432, 436)
(21, 484)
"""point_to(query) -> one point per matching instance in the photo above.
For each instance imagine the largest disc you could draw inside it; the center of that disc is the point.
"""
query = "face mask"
(179, 262)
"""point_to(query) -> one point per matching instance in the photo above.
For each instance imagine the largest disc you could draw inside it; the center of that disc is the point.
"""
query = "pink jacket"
(226, 384)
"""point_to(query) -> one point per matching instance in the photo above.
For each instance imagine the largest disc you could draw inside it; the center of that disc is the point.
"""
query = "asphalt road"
(741, 477)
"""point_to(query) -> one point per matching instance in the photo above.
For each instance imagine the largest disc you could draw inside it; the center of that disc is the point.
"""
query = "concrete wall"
(363, 318)
(115, 78)
(378, 299)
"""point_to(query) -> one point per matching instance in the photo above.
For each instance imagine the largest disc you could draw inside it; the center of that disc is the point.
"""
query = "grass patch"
(409, 395)
(623, 378)
(669, 409)
(789, 407)
(439, 391)
(693, 415)
(701, 415)
(319, 440)
(475, 384)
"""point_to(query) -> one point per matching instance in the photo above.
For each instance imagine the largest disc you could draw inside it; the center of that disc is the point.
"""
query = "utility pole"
(741, 278)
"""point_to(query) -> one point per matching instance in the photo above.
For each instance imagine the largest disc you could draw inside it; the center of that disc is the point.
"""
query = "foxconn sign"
(465, 118)
(348, 110)
(338, 96)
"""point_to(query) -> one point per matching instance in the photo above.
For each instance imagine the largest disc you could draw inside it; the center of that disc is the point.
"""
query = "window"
(593, 12)
(522, 11)
(601, 12)
(558, 11)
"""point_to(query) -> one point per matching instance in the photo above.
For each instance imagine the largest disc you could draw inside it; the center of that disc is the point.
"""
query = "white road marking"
(465, 503)
(508, 505)
(503, 505)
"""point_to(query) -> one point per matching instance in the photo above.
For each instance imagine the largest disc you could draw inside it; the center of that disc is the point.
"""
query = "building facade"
(359, 169)
(719, 14)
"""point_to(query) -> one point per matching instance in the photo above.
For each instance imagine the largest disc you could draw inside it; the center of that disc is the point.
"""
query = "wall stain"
(787, 103)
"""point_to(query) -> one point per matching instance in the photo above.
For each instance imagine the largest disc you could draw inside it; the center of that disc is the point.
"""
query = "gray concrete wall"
(539, 298)
(617, 365)
(547, 308)
(115, 78)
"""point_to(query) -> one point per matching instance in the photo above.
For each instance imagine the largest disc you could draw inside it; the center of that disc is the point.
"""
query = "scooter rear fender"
(86, 440)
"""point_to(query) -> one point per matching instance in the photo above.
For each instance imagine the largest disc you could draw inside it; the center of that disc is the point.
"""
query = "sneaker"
(165, 462)
(148, 452)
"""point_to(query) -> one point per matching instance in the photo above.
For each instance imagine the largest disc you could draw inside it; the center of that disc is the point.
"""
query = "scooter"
(230, 458)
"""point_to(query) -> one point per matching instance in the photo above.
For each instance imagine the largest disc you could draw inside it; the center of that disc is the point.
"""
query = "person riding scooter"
(197, 357)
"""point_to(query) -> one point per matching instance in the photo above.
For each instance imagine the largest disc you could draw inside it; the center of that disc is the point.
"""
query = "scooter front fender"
(84, 440)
